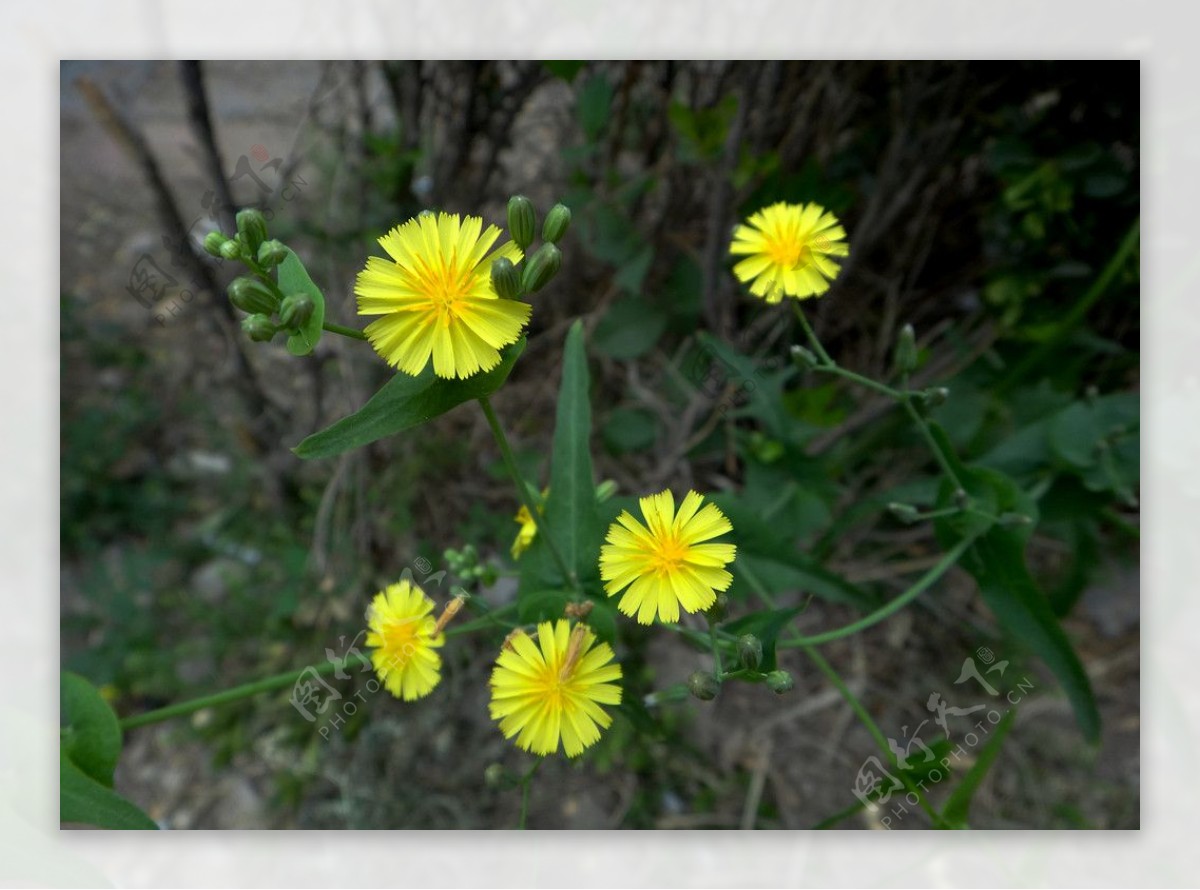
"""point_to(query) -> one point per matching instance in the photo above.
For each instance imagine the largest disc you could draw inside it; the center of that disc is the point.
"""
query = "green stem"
(491, 618)
(352, 333)
(883, 388)
(523, 492)
(941, 456)
(267, 684)
(716, 650)
(880, 740)
(812, 337)
(526, 784)
(923, 583)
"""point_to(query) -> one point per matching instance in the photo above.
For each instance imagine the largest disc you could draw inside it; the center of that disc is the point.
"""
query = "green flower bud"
(962, 500)
(780, 682)
(540, 268)
(522, 220)
(213, 242)
(252, 226)
(231, 250)
(906, 350)
(259, 328)
(803, 358)
(605, 490)
(716, 612)
(935, 396)
(497, 777)
(252, 296)
(906, 513)
(750, 651)
(271, 253)
(704, 685)
(296, 310)
(506, 279)
(557, 222)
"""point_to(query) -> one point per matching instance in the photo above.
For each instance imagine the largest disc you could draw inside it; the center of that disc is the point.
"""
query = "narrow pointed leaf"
(405, 402)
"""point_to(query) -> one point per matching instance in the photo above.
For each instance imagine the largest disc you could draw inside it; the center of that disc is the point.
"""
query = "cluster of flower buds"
(705, 685)
(540, 266)
(268, 310)
(466, 565)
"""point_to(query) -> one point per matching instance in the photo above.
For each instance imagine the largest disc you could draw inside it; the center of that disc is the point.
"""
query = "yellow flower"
(436, 297)
(527, 533)
(788, 248)
(553, 689)
(667, 565)
(404, 634)
(528, 527)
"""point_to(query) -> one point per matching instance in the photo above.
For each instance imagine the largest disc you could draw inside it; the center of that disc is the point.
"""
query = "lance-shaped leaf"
(404, 402)
(294, 279)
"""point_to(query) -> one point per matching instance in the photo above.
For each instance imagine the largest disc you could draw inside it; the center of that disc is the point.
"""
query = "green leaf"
(294, 279)
(564, 69)
(542, 605)
(630, 328)
(1076, 432)
(82, 799)
(571, 504)
(766, 626)
(404, 402)
(997, 562)
(594, 101)
(717, 366)
(549, 605)
(959, 802)
(91, 736)
(629, 429)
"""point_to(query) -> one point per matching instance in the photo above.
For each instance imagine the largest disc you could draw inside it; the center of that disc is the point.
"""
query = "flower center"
(400, 641)
(787, 252)
(668, 555)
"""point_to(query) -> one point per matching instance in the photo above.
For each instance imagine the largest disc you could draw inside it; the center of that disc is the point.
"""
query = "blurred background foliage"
(992, 205)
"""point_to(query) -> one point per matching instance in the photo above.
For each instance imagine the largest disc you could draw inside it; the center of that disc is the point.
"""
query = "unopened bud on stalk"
(213, 242)
(906, 350)
(605, 490)
(496, 777)
(296, 310)
(935, 396)
(506, 279)
(271, 253)
(962, 500)
(522, 220)
(780, 682)
(906, 513)
(231, 249)
(803, 358)
(716, 612)
(557, 222)
(252, 296)
(540, 268)
(750, 651)
(259, 328)
(252, 226)
(704, 685)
